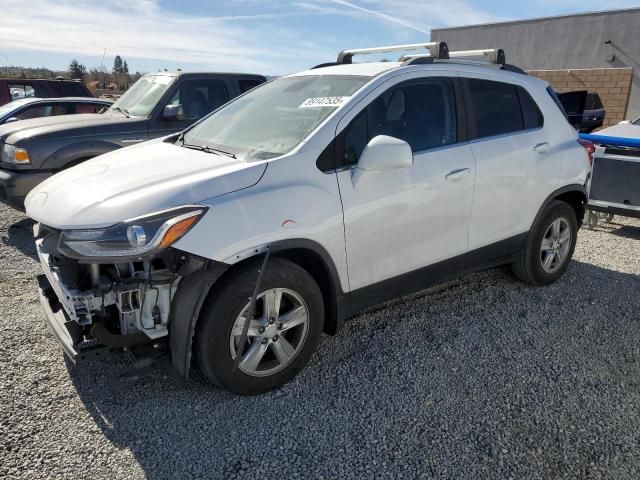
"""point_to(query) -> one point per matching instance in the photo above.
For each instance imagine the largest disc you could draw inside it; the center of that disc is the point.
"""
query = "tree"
(125, 68)
(117, 65)
(76, 70)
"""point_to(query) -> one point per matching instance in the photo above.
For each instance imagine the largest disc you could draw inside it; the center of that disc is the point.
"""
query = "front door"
(398, 221)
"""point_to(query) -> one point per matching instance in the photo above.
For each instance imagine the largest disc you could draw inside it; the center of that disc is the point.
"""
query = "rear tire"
(283, 334)
(549, 247)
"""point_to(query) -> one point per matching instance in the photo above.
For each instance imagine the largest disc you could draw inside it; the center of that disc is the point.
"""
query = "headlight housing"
(132, 239)
(13, 154)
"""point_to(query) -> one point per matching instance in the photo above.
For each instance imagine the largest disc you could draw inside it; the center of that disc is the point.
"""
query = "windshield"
(4, 109)
(275, 117)
(140, 99)
(636, 121)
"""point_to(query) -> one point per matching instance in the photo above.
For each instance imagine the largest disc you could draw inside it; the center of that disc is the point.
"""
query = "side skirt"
(499, 253)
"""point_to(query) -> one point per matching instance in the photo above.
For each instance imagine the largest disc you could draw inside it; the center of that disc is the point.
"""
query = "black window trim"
(327, 161)
(470, 117)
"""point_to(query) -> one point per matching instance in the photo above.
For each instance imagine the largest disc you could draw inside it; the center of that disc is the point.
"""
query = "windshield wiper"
(207, 149)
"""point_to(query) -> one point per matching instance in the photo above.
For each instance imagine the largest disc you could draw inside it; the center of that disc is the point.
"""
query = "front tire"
(549, 247)
(283, 334)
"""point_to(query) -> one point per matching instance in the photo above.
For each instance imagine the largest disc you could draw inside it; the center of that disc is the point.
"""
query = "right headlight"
(132, 239)
(13, 154)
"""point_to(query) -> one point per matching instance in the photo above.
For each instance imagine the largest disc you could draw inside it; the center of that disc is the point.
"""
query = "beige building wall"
(612, 84)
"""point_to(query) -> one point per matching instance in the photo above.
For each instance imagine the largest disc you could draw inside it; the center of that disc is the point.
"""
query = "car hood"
(71, 124)
(624, 130)
(135, 181)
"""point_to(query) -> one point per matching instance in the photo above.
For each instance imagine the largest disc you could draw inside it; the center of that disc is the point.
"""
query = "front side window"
(272, 120)
(422, 113)
(140, 99)
(495, 106)
(200, 97)
(38, 111)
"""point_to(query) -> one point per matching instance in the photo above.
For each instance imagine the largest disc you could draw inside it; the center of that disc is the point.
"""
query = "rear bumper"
(15, 185)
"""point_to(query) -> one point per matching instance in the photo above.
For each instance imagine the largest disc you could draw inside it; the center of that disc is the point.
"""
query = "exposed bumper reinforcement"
(67, 332)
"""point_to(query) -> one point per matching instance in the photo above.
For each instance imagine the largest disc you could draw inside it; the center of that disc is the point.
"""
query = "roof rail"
(436, 50)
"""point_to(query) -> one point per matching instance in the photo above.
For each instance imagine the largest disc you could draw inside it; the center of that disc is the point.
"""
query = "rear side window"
(495, 107)
(246, 85)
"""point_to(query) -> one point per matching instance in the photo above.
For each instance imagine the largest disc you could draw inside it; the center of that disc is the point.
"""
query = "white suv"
(345, 186)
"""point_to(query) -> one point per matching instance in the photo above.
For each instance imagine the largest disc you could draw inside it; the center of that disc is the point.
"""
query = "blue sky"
(263, 36)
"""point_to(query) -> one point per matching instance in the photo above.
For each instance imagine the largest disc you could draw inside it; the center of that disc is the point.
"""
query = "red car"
(16, 88)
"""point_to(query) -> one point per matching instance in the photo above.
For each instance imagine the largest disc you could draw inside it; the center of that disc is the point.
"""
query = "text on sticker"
(324, 102)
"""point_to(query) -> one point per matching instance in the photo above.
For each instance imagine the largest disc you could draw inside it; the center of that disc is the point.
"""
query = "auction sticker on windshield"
(315, 102)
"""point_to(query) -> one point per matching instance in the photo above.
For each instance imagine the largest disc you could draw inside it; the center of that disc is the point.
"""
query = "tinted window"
(421, 113)
(200, 97)
(246, 85)
(593, 102)
(68, 89)
(531, 114)
(496, 108)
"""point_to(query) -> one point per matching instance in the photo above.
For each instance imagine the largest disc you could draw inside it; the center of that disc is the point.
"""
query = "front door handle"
(457, 174)
(542, 147)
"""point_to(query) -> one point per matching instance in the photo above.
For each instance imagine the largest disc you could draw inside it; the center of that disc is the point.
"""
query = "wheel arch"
(197, 287)
(575, 195)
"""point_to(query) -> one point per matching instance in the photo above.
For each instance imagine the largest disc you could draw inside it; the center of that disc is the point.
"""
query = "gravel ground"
(480, 378)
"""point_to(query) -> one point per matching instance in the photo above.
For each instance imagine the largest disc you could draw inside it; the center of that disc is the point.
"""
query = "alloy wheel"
(276, 333)
(555, 245)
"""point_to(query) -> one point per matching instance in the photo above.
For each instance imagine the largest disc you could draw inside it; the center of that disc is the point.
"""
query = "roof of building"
(541, 19)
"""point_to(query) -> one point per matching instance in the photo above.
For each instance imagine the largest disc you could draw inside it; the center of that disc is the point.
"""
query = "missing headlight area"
(111, 299)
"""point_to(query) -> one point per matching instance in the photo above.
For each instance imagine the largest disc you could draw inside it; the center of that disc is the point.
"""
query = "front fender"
(69, 155)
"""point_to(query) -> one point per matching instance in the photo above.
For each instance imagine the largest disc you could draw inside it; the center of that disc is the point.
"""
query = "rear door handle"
(457, 174)
(542, 147)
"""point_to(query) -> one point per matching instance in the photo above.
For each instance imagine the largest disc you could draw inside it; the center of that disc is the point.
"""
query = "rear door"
(399, 221)
(515, 161)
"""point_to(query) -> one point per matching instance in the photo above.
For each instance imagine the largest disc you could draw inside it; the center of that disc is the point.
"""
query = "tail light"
(589, 147)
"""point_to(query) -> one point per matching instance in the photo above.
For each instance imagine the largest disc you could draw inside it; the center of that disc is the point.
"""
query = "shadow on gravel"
(483, 378)
(20, 236)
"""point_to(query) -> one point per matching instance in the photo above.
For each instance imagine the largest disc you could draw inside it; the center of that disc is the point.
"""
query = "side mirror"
(173, 113)
(12, 119)
(382, 153)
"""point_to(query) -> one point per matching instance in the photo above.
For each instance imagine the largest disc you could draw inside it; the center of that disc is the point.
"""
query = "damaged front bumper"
(68, 333)
(92, 309)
